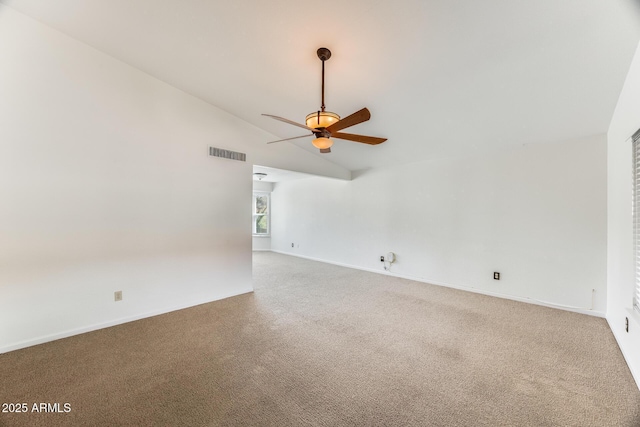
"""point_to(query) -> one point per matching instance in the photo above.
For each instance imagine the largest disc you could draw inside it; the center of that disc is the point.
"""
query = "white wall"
(264, 186)
(262, 243)
(620, 259)
(535, 213)
(106, 185)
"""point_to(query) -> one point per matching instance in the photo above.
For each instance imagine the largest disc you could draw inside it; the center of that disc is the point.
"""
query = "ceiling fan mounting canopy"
(325, 124)
(324, 53)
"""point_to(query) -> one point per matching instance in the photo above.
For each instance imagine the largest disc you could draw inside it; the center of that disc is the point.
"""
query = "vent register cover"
(227, 154)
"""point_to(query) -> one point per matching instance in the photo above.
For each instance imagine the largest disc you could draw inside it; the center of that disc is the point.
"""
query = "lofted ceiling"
(440, 77)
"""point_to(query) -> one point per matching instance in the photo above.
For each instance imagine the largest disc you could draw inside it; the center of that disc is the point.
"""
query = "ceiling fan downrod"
(324, 54)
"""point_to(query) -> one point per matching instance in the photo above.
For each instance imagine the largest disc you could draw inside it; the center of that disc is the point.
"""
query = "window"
(636, 216)
(261, 214)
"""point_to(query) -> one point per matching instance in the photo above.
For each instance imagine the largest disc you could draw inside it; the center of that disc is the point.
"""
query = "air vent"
(227, 154)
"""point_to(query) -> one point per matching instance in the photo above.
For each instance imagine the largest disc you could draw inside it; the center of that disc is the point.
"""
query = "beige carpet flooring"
(321, 345)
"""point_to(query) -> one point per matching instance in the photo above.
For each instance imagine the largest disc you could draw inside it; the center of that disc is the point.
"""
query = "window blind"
(636, 216)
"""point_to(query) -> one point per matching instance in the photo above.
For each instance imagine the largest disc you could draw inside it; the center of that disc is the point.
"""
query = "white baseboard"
(634, 374)
(102, 325)
(261, 250)
(448, 285)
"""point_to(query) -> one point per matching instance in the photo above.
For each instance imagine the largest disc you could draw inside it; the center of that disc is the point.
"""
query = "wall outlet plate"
(117, 296)
(496, 275)
(382, 258)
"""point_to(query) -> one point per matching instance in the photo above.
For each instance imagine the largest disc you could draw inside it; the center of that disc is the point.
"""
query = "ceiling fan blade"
(291, 122)
(287, 139)
(371, 140)
(357, 117)
(325, 150)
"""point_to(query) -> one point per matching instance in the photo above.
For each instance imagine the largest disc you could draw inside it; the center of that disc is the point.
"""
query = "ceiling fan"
(325, 125)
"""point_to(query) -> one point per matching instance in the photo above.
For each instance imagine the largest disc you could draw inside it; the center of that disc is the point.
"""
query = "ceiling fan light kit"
(259, 175)
(321, 119)
(322, 143)
(325, 124)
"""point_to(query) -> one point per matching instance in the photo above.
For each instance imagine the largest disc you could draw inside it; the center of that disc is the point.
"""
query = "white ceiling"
(439, 76)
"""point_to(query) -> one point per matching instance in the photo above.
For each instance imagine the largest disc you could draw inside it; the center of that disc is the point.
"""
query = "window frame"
(635, 214)
(267, 214)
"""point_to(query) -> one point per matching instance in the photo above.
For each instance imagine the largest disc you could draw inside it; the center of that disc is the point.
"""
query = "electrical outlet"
(117, 296)
(292, 245)
(496, 275)
(626, 324)
(382, 258)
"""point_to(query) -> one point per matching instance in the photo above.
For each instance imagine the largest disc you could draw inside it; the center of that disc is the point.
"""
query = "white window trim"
(267, 214)
(635, 209)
